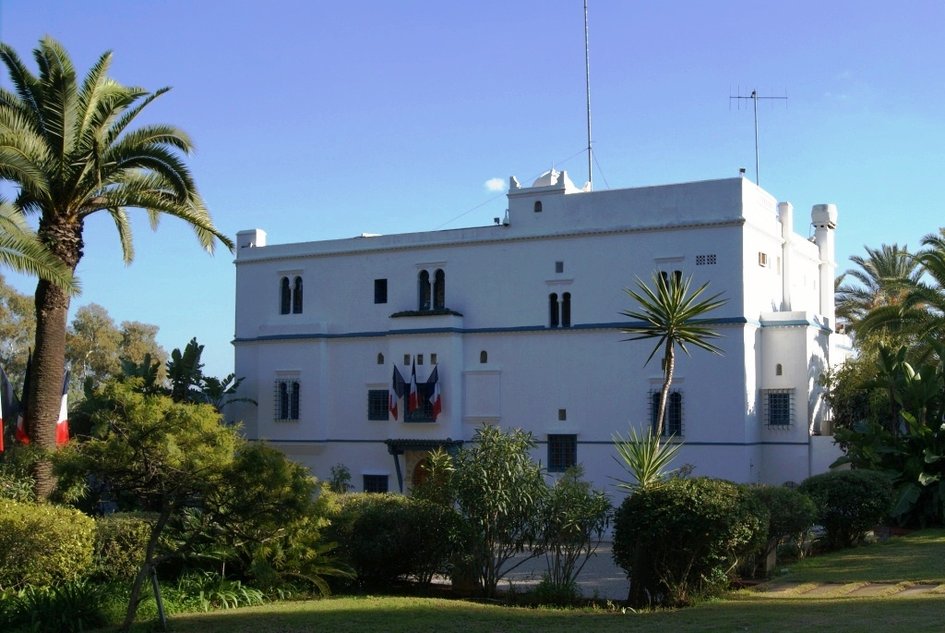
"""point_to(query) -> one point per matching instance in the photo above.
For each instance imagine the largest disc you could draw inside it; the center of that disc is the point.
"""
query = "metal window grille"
(673, 422)
(375, 483)
(378, 404)
(778, 407)
(562, 452)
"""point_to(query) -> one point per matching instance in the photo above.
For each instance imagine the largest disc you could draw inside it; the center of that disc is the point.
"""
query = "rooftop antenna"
(587, 81)
(754, 96)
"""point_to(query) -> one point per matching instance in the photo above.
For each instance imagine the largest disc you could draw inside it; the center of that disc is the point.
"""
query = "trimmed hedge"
(385, 537)
(849, 503)
(681, 540)
(42, 544)
(120, 543)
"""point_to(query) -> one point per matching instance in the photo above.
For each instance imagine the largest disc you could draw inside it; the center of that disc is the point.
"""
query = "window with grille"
(778, 407)
(672, 420)
(424, 410)
(375, 483)
(287, 398)
(378, 404)
(562, 452)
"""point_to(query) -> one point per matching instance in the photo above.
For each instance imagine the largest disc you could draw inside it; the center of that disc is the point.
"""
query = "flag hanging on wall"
(414, 400)
(8, 404)
(396, 391)
(20, 431)
(433, 388)
(62, 425)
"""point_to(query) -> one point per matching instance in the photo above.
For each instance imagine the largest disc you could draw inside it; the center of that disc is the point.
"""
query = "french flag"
(62, 426)
(433, 383)
(414, 400)
(8, 403)
(396, 392)
(20, 431)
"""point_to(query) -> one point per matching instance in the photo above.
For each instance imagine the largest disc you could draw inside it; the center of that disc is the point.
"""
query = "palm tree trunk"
(669, 364)
(44, 399)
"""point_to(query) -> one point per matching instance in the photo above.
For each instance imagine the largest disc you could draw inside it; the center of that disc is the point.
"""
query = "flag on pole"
(8, 403)
(414, 400)
(62, 425)
(20, 431)
(433, 388)
(396, 391)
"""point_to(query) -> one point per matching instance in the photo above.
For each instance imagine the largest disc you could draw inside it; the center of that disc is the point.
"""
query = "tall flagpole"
(587, 80)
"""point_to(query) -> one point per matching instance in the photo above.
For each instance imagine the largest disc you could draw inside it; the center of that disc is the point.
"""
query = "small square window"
(375, 483)
(562, 452)
(562, 415)
(380, 291)
(377, 404)
(559, 267)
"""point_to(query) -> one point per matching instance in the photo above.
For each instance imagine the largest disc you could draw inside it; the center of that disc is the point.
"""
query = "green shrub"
(60, 608)
(849, 503)
(681, 540)
(120, 542)
(42, 544)
(791, 514)
(386, 536)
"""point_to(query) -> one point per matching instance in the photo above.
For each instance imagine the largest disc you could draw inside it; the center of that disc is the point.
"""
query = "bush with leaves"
(791, 514)
(499, 492)
(849, 503)
(42, 544)
(67, 607)
(120, 543)
(386, 537)
(574, 518)
(694, 531)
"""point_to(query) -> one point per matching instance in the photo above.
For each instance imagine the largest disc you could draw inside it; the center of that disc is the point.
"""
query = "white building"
(522, 321)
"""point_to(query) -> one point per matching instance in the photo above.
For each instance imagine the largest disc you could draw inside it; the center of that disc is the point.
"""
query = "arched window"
(483, 357)
(537, 206)
(283, 401)
(294, 402)
(297, 296)
(439, 290)
(553, 310)
(285, 296)
(778, 370)
(566, 310)
(380, 358)
(423, 282)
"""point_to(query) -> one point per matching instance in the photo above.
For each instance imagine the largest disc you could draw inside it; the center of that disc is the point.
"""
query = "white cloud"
(495, 184)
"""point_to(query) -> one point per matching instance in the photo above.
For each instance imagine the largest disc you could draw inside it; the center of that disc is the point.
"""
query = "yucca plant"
(645, 457)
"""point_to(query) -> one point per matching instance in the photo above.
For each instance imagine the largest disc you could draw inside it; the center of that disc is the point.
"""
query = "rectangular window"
(424, 410)
(778, 407)
(562, 452)
(375, 483)
(762, 259)
(377, 404)
(672, 422)
(286, 399)
(562, 415)
(559, 267)
(380, 291)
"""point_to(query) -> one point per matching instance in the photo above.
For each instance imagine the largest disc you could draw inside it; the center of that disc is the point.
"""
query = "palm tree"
(918, 316)
(672, 314)
(24, 253)
(70, 152)
(883, 278)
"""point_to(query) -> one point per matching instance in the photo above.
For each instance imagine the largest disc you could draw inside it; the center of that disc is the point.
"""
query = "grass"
(920, 557)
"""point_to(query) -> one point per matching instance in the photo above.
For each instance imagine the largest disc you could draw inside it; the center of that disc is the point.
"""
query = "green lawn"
(920, 557)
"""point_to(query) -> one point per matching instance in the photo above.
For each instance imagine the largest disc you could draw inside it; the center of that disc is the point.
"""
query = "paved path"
(600, 578)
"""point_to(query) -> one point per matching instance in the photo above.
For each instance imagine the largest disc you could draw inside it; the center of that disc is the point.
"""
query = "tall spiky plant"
(69, 150)
(674, 316)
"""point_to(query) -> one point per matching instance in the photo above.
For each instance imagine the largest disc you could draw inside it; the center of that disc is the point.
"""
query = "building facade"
(521, 321)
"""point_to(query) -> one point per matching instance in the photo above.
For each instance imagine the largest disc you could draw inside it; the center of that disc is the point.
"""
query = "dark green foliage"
(42, 544)
(680, 541)
(206, 591)
(386, 537)
(791, 514)
(574, 518)
(120, 543)
(60, 608)
(849, 503)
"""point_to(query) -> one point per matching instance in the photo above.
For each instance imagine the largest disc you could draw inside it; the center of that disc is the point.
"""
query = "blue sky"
(317, 120)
